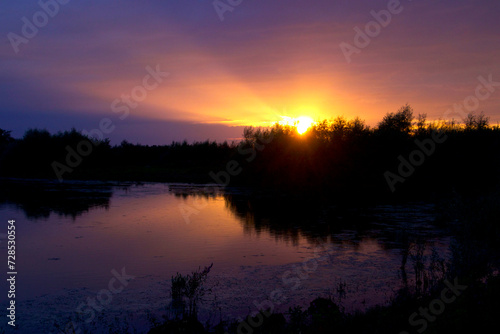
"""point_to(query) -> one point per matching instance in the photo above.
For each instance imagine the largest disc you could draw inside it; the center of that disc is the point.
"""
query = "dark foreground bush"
(475, 311)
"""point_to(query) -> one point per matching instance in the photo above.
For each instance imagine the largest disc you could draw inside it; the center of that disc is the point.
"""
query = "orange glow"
(302, 123)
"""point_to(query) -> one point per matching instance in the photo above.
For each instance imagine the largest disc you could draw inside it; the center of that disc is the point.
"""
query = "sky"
(165, 70)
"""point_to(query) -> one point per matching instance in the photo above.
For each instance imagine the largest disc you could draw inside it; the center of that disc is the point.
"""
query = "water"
(266, 250)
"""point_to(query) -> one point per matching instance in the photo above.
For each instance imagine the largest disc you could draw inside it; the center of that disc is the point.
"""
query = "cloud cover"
(265, 60)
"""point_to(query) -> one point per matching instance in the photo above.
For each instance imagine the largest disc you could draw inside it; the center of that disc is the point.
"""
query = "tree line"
(403, 155)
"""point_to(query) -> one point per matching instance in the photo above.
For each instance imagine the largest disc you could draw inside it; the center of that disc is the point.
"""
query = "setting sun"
(303, 124)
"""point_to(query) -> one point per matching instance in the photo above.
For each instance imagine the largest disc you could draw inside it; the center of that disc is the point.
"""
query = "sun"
(303, 124)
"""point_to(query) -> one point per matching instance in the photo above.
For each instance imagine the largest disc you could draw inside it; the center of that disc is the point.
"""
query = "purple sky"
(265, 60)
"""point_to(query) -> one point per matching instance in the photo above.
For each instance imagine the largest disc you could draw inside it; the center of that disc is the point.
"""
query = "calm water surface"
(68, 242)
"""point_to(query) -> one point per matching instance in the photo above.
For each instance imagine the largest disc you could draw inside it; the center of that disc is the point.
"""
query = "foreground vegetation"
(459, 294)
(475, 311)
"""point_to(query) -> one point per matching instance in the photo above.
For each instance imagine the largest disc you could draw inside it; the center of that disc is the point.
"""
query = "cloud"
(268, 58)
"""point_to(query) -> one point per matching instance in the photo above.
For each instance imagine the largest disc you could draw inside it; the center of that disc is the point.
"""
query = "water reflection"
(252, 239)
(290, 219)
(284, 218)
(40, 198)
(407, 234)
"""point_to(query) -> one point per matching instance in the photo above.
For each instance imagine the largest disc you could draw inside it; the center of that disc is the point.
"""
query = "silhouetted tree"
(401, 121)
(476, 122)
(340, 155)
(5, 137)
(420, 124)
